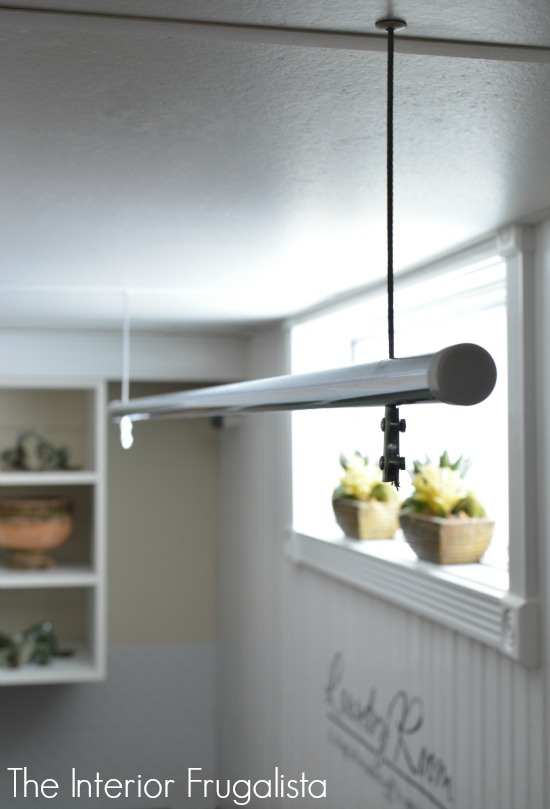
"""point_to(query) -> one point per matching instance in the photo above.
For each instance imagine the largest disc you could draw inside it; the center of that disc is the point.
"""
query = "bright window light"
(466, 305)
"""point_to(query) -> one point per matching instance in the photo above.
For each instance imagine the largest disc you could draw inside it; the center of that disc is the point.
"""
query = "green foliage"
(461, 465)
(471, 506)
(384, 492)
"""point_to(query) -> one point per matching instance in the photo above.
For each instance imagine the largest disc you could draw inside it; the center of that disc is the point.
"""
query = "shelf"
(66, 576)
(75, 669)
(473, 600)
(71, 595)
(77, 478)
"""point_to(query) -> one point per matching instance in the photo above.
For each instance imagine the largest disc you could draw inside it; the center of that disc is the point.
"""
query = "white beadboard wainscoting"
(398, 711)
(317, 675)
(475, 600)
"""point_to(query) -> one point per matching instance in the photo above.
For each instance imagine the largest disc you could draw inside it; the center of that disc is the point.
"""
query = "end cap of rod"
(463, 374)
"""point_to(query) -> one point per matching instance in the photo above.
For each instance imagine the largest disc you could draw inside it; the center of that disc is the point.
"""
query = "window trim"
(505, 618)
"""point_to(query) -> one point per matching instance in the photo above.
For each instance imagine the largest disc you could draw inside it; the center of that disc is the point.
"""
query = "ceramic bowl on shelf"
(31, 527)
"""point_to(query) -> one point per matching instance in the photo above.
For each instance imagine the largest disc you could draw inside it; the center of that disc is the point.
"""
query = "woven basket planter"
(447, 540)
(371, 519)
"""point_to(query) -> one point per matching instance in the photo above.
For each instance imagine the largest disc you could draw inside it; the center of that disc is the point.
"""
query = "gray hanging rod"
(463, 374)
(307, 37)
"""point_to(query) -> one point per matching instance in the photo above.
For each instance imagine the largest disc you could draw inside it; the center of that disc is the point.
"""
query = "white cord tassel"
(126, 429)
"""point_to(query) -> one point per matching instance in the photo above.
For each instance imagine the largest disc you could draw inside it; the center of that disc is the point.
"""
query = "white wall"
(162, 530)
(253, 502)
(155, 356)
(294, 644)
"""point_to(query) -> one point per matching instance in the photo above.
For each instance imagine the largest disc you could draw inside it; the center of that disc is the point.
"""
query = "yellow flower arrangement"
(440, 491)
(361, 481)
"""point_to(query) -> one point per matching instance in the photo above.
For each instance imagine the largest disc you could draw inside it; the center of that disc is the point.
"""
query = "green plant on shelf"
(33, 453)
(37, 644)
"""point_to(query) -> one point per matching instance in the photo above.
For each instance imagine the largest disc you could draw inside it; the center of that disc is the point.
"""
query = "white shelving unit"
(71, 595)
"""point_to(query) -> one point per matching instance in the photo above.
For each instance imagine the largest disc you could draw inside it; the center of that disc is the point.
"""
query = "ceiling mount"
(391, 25)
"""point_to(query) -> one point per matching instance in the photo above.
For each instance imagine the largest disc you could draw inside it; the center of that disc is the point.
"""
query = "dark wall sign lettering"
(386, 742)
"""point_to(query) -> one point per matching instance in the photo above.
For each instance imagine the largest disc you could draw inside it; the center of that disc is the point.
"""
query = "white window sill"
(471, 599)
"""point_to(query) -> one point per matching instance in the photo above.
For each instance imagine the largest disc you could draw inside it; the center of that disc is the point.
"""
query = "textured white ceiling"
(229, 182)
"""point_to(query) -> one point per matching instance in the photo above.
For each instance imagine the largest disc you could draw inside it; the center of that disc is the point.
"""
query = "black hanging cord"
(390, 26)
(391, 461)
(389, 155)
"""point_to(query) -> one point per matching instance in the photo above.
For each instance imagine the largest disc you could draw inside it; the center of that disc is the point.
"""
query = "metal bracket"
(391, 462)
(391, 24)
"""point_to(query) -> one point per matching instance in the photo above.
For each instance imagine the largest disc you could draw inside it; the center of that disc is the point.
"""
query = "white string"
(125, 392)
(126, 429)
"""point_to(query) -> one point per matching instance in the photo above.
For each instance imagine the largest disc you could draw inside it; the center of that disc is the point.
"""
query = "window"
(480, 295)
(464, 305)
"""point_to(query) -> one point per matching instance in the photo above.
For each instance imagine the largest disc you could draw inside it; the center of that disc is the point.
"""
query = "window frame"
(502, 615)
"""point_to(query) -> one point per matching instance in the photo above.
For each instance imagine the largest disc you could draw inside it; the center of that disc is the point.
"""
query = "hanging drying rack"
(463, 374)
